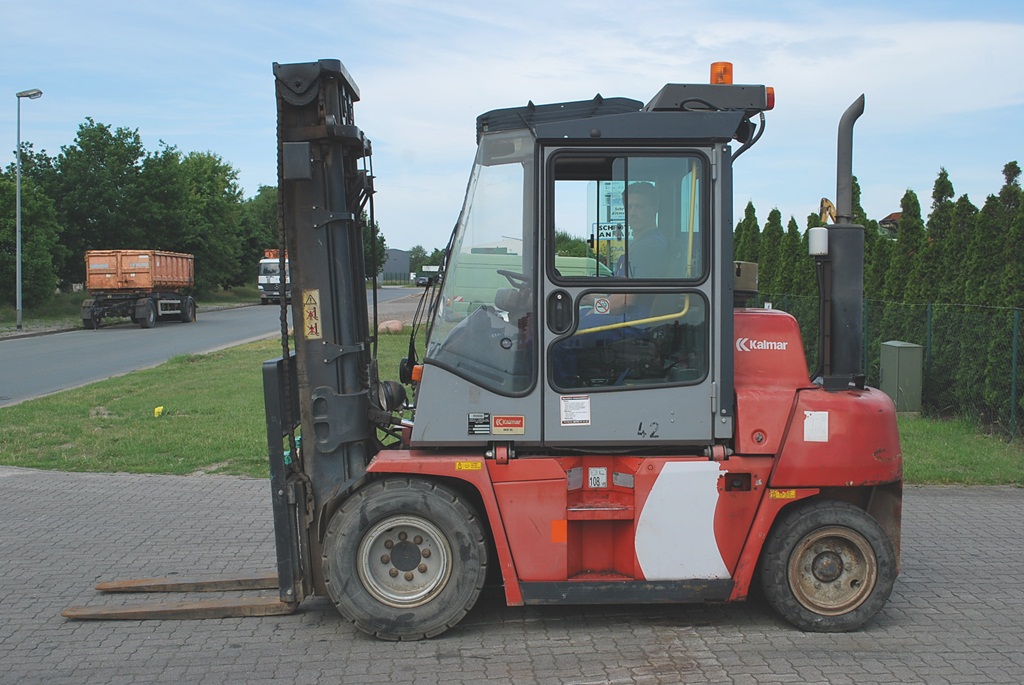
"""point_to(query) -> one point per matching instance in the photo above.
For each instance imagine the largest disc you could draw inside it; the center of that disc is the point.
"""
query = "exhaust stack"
(842, 362)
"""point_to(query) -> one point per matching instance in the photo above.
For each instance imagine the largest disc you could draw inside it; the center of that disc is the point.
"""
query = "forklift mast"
(325, 189)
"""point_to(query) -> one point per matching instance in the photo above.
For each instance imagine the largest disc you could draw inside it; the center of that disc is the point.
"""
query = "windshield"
(481, 330)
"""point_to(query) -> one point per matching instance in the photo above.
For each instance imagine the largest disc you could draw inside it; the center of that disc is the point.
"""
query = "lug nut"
(422, 568)
(418, 539)
(385, 559)
(403, 536)
(393, 572)
(389, 544)
(409, 575)
(425, 554)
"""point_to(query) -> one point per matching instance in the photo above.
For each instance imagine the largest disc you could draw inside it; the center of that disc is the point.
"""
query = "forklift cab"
(632, 346)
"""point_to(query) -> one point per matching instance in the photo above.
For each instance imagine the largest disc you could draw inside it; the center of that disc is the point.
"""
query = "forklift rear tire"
(404, 559)
(827, 567)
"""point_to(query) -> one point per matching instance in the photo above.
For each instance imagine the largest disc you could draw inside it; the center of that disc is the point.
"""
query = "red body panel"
(840, 439)
(770, 367)
(681, 517)
(549, 524)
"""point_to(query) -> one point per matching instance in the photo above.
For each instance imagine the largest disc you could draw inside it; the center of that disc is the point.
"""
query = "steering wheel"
(516, 280)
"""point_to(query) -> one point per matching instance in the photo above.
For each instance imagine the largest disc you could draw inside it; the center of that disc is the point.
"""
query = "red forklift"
(602, 429)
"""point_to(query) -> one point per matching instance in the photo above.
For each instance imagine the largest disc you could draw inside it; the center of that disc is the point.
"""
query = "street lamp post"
(31, 95)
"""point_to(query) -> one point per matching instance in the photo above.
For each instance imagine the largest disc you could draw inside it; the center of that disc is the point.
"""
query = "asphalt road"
(39, 365)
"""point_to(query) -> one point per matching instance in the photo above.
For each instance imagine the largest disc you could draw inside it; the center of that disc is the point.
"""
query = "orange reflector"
(770, 97)
(721, 73)
(417, 373)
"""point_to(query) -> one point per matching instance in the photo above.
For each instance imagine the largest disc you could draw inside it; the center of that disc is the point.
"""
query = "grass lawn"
(211, 421)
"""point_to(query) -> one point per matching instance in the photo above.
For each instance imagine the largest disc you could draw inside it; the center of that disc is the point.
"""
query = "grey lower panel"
(627, 592)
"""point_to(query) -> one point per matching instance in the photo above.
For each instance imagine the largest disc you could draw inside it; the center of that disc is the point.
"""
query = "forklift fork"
(212, 608)
(292, 579)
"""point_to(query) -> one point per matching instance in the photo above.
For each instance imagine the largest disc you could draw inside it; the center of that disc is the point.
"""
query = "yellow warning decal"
(782, 494)
(469, 465)
(311, 314)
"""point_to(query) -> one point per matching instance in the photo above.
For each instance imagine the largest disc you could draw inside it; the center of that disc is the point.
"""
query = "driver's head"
(641, 201)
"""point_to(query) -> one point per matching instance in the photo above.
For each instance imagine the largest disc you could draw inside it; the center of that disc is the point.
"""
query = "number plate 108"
(597, 477)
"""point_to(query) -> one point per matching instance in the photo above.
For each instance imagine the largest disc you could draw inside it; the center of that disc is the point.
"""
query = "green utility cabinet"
(900, 374)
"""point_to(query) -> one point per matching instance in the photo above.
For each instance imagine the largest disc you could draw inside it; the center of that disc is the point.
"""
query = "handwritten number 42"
(651, 432)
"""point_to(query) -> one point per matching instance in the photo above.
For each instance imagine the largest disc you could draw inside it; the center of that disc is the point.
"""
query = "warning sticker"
(469, 466)
(311, 315)
(574, 410)
(782, 494)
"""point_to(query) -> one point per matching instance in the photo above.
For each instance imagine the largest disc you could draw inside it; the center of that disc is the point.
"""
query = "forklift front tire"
(827, 567)
(404, 559)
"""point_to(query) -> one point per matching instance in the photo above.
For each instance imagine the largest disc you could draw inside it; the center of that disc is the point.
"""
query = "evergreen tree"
(375, 252)
(1002, 213)
(770, 259)
(746, 236)
(900, 320)
(926, 276)
(957, 254)
(794, 262)
(909, 240)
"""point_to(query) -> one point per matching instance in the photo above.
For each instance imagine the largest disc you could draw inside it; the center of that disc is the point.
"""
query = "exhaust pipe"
(843, 327)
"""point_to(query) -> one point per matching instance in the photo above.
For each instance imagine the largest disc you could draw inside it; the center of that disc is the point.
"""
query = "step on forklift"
(609, 426)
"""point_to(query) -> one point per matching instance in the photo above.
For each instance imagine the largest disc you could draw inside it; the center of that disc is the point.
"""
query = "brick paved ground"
(956, 616)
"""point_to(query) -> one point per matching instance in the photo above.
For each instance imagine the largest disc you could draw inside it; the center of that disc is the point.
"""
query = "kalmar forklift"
(603, 424)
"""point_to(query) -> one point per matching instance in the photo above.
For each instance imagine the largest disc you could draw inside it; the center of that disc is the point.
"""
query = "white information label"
(815, 426)
(597, 477)
(575, 410)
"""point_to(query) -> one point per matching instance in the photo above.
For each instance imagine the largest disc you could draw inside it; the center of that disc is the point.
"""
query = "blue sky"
(943, 81)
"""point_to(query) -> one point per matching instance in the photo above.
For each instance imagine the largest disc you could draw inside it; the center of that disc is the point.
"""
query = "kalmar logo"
(748, 345)
(508, 424)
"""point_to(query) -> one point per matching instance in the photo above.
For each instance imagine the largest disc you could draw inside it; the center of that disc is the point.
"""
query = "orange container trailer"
(143, 285)
(137, 271)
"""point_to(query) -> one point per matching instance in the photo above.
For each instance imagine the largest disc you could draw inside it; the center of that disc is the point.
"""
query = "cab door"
(628, 300)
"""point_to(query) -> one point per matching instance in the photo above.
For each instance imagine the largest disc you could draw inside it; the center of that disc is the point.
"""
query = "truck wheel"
(188, 310)
(404, 559)
(148, 319)
(827, 567)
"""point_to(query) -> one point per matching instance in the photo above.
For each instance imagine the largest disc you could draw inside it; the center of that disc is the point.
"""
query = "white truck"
(268, 278)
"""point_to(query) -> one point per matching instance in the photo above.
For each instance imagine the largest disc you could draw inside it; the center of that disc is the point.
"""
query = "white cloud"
(943, 83)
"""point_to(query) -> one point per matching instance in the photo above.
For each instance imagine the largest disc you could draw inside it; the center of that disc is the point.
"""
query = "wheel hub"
(404, 561)
(827, 566)
(405, 556)
(832, 570)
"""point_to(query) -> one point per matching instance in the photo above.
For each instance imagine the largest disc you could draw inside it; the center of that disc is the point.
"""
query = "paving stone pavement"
(956, 615)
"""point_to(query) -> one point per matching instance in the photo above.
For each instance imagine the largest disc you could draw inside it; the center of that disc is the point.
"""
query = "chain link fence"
(972, 355)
